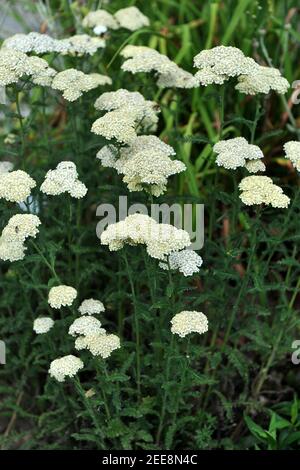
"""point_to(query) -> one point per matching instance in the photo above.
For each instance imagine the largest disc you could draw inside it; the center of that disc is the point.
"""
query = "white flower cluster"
(73, 83)
(262, 190)
(91, 307)
(85, 325)
(145, 164)
(92, 337)
(61, 296)
(15, 186)
(145, 59)
(292, 152)
(160, 239)
(14, 235)
(129, 18)
(10, 139)
(186, 262)
(15, 64)
(187, 322)
(42, 325)
(42, 44)
(237, 152)
(64, 179)
(219, 64)
(66, 366)
(127, 113)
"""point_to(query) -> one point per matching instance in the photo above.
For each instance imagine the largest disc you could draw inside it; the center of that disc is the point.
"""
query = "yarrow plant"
(149, 343)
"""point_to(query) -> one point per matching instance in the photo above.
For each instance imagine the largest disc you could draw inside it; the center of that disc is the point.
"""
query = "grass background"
(235, 387)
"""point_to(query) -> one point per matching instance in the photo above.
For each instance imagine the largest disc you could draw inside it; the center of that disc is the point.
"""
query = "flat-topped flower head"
(64, 179)
(131, 18)
(160, 239)
(42, 325)
(15, 186)
(220, 63)
(236, 152)
(262, 190)
(145, 59)
(85, 325)
(100, 18)
(292, 152)
(187, 322)
(91, 307)
(186, 262)
(13, 65)
(64, 367)
(119, 125)
(262, 80)
(98, 344)
(74, 83)
(14, 234)
(34, 42)
(81, 44)
(61, 296)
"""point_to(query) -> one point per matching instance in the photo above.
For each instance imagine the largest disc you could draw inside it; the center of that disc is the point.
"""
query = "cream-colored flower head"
(145, 59)
(220, 63)
(262, 80)
(128, 114)
(5, 167)
(13, 65)
(187, 322)
(100, 18)
(255, 166)
(99, 344)
(160, 239)
(66, 366)
(81, 44)
(262, 190)
(131, 18)
(14, 234)
(34, 42)
(91, 307)
(186, 262)
(292, 152)
(10, 139)
(64, 179)
(61, 296)
(236, 152)
(15, 186)
(42, 325)
(85, 325)
(40, 72)
(74, 82)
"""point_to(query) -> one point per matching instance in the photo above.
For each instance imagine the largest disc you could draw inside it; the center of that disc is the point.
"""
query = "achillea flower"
(15, 186)
(292, 152)
(66, 366)
(100, 18)
(236, 152)
(64, 179)
(98, 344)
(18, 229)
(91, 307)
(187, 322)
(40, 72)
(218, 64)
(262, 190)
(145, 59)
(160, 239)
(81, 44)
(10, 139)
(74, 82)
(119, 124)
(61, 296)
(254, 166)
(86, 325)
(131, 18)
(42, 325)
(262, 80)
(186, 262)
(144, 111)
(34, 42)
(5, 167)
